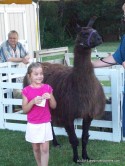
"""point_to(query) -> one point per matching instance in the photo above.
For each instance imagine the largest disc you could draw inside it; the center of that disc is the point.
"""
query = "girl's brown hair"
(29, 71)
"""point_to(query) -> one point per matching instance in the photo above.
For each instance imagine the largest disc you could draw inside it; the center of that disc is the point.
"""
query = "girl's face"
(36, 76)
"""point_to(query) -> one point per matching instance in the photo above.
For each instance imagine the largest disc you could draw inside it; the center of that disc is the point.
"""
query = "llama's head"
(88, 38)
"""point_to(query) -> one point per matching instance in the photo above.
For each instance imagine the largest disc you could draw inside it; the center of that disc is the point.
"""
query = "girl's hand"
(38, 99)
(46, 96)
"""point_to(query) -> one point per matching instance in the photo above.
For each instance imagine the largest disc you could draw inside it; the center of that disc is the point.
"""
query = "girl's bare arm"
(52, 101)
(28, 105)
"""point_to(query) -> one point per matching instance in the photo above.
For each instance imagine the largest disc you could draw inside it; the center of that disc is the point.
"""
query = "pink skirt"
(38, 133)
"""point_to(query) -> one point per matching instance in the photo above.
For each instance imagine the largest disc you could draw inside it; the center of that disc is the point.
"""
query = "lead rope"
(101, 58)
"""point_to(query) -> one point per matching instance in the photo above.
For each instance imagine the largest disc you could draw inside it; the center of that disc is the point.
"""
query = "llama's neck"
(82, 61)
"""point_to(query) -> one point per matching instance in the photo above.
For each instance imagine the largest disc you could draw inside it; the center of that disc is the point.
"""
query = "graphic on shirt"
(42, 104)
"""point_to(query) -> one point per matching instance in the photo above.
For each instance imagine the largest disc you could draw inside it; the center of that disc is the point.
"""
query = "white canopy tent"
(22, 2)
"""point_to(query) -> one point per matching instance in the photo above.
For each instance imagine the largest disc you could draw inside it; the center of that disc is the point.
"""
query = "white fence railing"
(103, 129)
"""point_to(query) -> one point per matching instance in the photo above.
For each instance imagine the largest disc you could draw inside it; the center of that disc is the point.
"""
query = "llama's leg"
(85, 136)
(55, 143)
(73, 141)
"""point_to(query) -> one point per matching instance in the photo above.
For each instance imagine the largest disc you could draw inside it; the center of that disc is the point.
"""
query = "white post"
(1, 110)
(116, 118)
(122, 83)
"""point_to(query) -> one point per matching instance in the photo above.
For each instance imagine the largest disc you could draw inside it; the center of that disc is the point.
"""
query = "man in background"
(13, 51)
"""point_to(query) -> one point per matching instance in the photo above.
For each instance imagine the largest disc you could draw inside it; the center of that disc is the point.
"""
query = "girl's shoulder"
(26, 88)
(48, 87)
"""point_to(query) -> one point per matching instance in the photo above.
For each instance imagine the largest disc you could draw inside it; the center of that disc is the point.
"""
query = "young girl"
(38, 130)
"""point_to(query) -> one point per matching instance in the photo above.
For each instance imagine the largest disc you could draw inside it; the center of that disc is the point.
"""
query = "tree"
(58, 19)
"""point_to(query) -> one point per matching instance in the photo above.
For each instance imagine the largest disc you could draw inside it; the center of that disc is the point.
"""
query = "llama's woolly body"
(77, 91)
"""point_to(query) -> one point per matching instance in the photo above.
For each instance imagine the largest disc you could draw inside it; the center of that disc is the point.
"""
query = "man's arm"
(99, 63)
(25, 59)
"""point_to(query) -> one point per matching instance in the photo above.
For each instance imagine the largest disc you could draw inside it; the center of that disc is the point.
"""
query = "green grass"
(108, 46)
(106, 83)
(15, 151)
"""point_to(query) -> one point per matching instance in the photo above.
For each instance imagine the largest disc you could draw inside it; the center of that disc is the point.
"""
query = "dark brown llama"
(77, 91)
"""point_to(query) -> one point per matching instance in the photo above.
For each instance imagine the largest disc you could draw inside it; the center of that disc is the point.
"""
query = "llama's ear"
(78, 28)
(91, 21)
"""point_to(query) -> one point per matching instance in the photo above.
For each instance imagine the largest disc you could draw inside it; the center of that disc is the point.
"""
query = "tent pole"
(38, 26)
